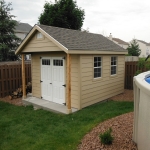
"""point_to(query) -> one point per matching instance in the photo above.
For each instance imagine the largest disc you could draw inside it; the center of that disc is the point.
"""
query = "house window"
(39, 35)
(97, 67)
(113, 65)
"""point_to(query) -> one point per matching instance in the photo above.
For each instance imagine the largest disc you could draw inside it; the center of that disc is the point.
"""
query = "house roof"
(120, 41)
(23, 27)
(148, 44)
(142, 42)
(74, 40)
(77, 40)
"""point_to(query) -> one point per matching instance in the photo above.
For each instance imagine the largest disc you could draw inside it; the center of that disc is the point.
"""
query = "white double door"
(53, 79)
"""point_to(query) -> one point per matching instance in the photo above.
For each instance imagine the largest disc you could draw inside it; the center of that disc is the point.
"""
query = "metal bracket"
(41, 81)
(63, 58)
(64, 85)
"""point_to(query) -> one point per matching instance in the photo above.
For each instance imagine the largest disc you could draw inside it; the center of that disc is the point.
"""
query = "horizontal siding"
(95, 90)
(75, 97)
(38, 45)
(36, 76)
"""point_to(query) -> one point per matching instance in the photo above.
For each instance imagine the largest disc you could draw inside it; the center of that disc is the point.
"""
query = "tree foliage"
(133, 48)
(64, 13)
(8, 40)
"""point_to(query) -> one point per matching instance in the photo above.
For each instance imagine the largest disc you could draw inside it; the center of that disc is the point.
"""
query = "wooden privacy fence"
(130, 70)
(11, 76)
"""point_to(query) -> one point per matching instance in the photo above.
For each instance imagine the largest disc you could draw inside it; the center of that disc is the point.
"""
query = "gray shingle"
(23, 27)
(77, 40)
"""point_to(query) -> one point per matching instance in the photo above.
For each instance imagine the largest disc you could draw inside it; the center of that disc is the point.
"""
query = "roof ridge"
(70, 29)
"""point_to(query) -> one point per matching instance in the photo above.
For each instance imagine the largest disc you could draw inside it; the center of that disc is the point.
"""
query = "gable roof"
(70, 40)
(23, 27)
(120, 41)
(142, 42)
(77, 40)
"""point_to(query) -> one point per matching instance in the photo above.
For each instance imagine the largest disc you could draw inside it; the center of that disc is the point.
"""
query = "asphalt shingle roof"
(120, 41)
(23, 27)
(77, 40)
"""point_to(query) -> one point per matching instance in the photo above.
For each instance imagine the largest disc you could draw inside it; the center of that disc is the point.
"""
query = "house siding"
(95, 90)
(38, 45)
(75, 84)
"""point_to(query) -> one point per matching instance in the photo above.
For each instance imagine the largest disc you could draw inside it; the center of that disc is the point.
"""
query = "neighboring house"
(119, 41)
(145, 48)
(72, 67)
(21, 30)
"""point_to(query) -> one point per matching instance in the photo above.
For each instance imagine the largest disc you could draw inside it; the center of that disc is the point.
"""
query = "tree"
(64, 13)
(8, 40)
(133, 48)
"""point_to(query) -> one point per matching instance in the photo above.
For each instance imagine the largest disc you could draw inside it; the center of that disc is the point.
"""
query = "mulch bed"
(15, 101)
(122, 127)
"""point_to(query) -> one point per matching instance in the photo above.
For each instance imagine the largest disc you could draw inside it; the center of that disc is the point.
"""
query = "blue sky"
(125, 19)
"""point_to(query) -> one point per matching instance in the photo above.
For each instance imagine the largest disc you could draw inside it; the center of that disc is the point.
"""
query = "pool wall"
(141, 127)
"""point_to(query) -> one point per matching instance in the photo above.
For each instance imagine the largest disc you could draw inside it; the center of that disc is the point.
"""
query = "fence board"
(130, 70)
(11, 76)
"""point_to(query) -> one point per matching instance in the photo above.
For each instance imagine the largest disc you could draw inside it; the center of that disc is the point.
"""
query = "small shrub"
(106, 137)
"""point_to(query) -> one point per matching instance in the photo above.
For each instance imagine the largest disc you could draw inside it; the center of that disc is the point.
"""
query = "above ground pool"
(141, 132)
(147, 79)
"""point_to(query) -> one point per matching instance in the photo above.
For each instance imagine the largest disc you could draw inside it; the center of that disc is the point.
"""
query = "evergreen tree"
(8, 40)
(133, 48)
(64, 13)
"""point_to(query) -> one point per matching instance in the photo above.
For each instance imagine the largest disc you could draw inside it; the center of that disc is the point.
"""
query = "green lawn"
(22, 128)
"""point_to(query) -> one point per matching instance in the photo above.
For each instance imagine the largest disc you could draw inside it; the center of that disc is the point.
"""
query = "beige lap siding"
(38, 45)
(75, 84)
(95, 90)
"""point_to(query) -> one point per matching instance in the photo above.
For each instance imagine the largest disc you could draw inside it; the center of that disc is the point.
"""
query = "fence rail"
(11, 76)
(130, 70)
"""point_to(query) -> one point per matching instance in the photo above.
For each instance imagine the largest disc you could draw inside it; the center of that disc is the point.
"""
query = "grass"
(22, 128)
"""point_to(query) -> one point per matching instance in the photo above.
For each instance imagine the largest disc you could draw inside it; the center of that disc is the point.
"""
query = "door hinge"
(64, 104)
(41, 97)
(63, 58)
(41, 81)
(64, 85)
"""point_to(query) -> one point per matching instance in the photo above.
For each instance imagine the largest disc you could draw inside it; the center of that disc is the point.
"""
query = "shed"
(72, 68)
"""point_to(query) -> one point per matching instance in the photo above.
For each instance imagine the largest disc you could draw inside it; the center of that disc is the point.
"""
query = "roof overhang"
(97, 52)
(31, 33)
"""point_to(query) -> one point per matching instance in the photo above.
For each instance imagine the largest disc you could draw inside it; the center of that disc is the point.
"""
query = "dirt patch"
(15, 101)
(122, 127)
(127, 95)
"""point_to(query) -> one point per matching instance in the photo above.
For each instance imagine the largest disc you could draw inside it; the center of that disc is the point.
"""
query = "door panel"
(58, 80)
(46, 78)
